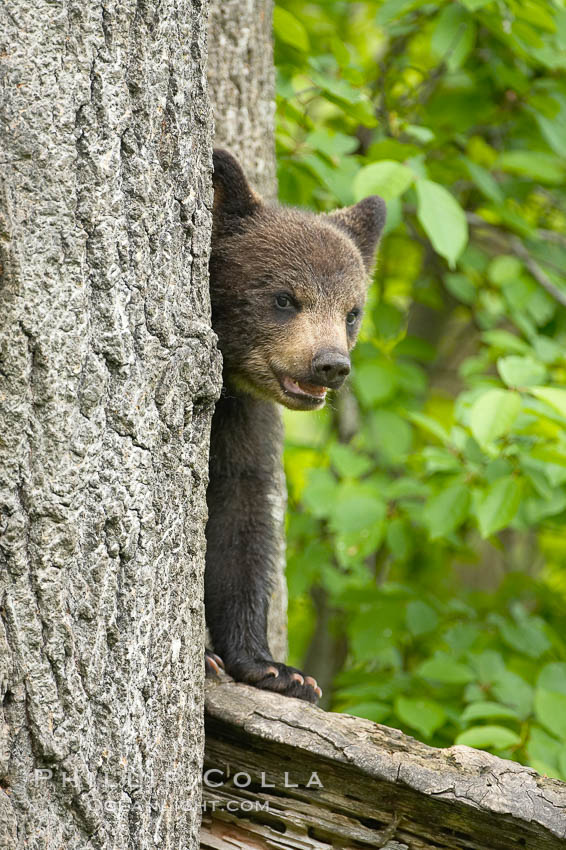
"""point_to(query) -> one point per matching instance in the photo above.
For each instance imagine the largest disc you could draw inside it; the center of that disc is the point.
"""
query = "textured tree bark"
(108, 374)
(282, 773)
(241, 80)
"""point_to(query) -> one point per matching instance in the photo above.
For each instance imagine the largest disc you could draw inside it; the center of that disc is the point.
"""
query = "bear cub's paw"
(266, 674)
(270, 675)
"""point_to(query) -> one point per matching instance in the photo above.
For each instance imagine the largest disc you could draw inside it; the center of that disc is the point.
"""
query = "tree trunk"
(241, 80)
(108, 376)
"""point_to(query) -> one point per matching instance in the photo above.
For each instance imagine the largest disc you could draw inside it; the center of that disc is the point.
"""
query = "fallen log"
(280, 773)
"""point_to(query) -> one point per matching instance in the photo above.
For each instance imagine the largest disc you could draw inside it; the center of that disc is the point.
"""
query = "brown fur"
(270, 250)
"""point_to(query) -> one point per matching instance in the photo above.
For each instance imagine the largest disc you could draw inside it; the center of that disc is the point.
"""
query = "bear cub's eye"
(352, 316)
(284, 301)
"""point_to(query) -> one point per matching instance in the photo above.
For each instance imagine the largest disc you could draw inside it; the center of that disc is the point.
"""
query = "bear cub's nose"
(330, 368)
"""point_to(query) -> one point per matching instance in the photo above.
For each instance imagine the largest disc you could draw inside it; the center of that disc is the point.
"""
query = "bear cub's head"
(288, 288)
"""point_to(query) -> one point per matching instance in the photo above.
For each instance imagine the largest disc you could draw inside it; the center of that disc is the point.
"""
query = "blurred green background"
(427, 503)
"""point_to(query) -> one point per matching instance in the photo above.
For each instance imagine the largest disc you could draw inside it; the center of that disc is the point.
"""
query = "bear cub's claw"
(213, 664)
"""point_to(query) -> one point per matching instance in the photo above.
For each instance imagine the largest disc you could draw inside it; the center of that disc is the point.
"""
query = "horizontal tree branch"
(295, 776)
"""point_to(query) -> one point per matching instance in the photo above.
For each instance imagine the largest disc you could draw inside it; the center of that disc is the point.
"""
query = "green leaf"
(538, 14)
(405, 488)
(443, 219)
(560, 20)
(540, 166)
(526, 634)
(374, 628)
(427, 423)
(493, 414)
(399, 538)
(389, 322)
(544, 749)
(421, 618)
(547, 350)
(505, 341)
(554, 397)
(350, 99)
(289, 29)
(392, 436)
(486, 183)
(481, 710)
(554, 131)
(488, 664)
(536, 510)
(347, 462)
(528, 35)
(461, 636)
(474, 5)
(444, 669)
(461, 286)
(356, 508)
(440, 460)
(446, 511)
(336, 180)
(351, 547)
(552, 677)
(520, 371)
(504, 269)
(511, 689)
(320, 493)
(376, 381)
(376, 711)
(421, 134)
(550, 710)
(499, 505)
(395, 8)
(489, 737)
(453, 36)
(331, 143)
(424, 715)
(386, 178)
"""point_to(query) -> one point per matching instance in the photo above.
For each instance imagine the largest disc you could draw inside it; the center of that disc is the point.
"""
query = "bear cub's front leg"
(287, 290)
(242, 545)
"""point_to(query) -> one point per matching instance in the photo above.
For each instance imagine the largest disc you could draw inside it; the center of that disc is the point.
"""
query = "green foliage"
(433, 540)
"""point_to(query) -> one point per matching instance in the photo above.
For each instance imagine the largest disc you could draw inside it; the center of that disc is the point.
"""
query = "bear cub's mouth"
(303, 389)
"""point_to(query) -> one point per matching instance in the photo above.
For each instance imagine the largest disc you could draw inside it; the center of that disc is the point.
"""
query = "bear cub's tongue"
(302, 388)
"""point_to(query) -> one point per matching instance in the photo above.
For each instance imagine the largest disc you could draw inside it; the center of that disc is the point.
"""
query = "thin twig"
(519, 250)
(552, 236)
(537, 272)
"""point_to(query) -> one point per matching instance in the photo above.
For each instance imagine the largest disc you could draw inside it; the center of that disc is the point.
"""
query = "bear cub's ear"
(364, 223)
(233, 196)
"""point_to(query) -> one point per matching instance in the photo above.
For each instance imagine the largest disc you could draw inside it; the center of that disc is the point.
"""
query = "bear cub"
(287, 291)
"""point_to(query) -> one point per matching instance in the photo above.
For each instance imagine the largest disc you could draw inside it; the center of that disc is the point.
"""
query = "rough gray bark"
(370, 786)
(108, 376)
(241, 80)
